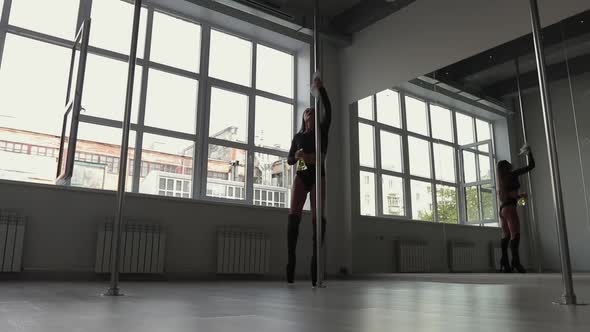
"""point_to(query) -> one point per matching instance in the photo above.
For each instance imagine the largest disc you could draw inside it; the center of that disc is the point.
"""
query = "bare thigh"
(298, 196)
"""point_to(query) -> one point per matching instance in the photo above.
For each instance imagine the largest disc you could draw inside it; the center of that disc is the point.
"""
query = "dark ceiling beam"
(297, 21)
(529, 80)
(572, 27)
(366, 13)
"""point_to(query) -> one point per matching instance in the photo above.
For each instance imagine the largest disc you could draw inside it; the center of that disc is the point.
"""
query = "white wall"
(569, 166)
(431, 34)
(62, 224)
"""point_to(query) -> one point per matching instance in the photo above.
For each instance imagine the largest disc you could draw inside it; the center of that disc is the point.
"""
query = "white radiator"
(413, 256)
(142, 249)
(462, 256)
(242, 251)
(12, 235)
(495, 255)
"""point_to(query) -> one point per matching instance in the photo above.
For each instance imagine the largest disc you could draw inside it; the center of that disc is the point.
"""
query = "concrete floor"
(456, 303)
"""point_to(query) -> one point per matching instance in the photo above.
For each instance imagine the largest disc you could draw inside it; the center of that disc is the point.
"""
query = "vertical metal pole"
(531, 202)
(566, 269)
(115, 249)
(318, 149)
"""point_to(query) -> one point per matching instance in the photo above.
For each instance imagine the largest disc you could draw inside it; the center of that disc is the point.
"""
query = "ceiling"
(493, 72)
(343, 17)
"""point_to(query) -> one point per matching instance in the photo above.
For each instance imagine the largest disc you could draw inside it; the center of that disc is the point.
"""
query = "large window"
(221, 132)
(250, 128)
(411, 169)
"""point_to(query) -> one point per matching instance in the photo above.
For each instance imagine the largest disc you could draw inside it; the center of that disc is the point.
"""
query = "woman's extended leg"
(513, 222)
(504, 261)
(298, 196)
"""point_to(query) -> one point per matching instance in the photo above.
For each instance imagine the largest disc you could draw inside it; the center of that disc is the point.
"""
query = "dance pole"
(116, 241)
(531, 202)
(318, 152)
(568, 296)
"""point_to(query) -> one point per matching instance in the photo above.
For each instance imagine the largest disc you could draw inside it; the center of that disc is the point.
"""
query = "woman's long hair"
(302, 129)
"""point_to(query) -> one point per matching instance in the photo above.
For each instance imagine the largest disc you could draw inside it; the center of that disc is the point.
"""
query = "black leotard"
(513, 183)
(306, 141)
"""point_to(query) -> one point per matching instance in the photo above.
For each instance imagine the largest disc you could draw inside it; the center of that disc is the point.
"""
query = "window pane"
(230, 58)
(416, 116)
(393, 195)
(464, 129)
(483, 130)
(442, 123)
(98, 143)
(176, 42)
(366, 145)
(28, 156)
(446, 204)
(419, 154)
(171, 102)
(226, 172)
(274, 124)
(33, 84)
(272, 175)
(112, 22)
(274, 71)
(388, 108)
(229, 116)
(56, 18)
(470, 172)
(367, 193)
(391, 152)
(483, 133)
(487, 202)
(105, 87)
(421, 201)
(444, 162)
(472, 203)
(169, 160)
(365, 108)
(484, 168)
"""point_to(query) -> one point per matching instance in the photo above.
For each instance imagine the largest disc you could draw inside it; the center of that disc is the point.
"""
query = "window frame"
(405, 173)
(201, 138)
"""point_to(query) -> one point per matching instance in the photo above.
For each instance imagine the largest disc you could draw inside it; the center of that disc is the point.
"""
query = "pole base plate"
(568, 300)
(113, 292)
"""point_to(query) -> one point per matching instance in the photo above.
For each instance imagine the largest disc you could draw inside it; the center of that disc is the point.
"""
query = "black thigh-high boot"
(504, 261)
(314, 257)
(292, 235)
(514, 244)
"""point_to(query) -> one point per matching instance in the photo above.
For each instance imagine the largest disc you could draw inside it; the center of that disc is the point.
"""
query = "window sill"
(212, 202)
(401, 220)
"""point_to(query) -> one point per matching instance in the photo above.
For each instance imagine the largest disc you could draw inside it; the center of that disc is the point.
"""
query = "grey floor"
(454, 303)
